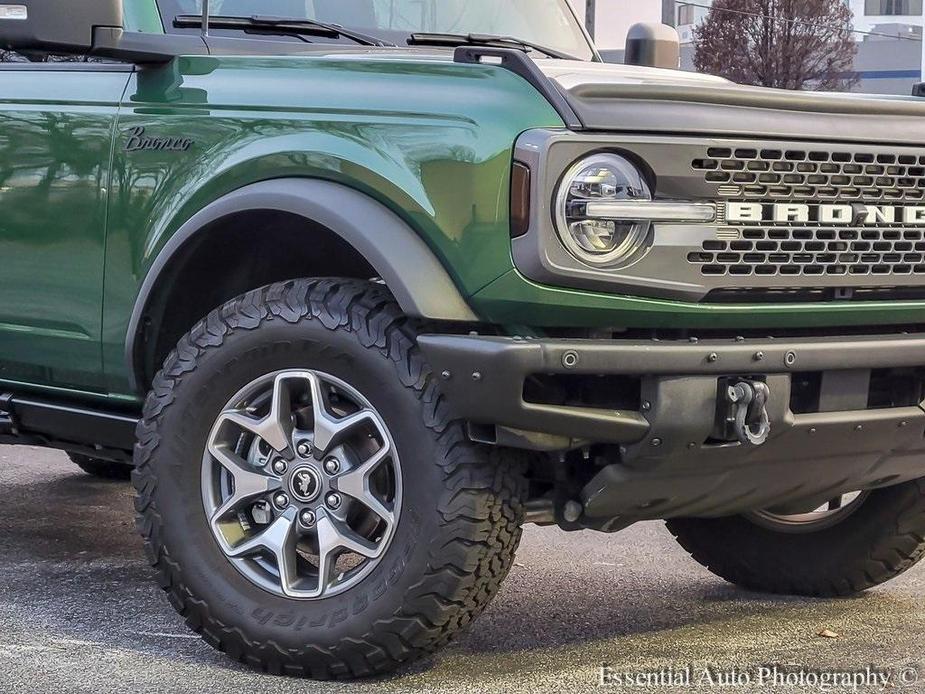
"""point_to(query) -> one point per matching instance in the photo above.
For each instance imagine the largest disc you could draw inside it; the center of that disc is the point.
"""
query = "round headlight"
(596, 240)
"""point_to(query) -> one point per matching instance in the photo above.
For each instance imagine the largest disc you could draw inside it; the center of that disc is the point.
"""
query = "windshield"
(548, 23)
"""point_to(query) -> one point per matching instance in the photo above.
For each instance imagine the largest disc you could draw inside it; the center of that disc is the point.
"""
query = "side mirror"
(68, 27)
(653, 45)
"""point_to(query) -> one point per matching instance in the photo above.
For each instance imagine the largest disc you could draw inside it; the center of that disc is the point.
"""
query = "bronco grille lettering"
(845, 215)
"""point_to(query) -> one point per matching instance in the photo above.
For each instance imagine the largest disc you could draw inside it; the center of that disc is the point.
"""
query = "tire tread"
(480, 507)
(899, 544)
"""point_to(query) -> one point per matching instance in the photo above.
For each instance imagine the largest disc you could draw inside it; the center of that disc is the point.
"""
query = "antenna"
(205, 17)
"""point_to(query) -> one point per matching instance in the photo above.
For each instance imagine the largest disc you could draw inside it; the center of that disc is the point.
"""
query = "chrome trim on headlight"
(677, 212)
(600, 241)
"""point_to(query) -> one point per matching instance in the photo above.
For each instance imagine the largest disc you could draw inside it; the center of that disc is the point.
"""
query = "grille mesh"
(815, 252)
(809, 175)
(813, 177)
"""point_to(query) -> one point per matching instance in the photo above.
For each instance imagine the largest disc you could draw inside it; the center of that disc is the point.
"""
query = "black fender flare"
(411, 271)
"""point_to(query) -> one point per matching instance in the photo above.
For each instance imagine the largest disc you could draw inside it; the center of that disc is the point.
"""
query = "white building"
(686, 17)
(889, 32)
(615, 17)
(891, 17)
(887, 16)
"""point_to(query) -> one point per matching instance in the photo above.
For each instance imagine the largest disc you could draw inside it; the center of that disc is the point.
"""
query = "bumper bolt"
(279, 467)
(476, 376)
(281, 501)
(307, 518)
(656, 443)
(333, 501)
(303, 449)
(446, 375)
(713, 358)
(570, 359)
(332, 466)
(759, 356)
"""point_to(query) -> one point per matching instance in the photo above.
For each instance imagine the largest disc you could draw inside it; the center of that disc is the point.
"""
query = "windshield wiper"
(489, 40)
(283, 26)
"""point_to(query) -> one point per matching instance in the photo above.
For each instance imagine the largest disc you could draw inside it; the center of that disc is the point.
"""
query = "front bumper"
(669, 463)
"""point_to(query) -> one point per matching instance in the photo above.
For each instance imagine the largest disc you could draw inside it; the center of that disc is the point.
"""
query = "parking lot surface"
(79, 612)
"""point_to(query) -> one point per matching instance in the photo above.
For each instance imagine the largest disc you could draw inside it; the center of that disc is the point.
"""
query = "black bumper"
(669, 465)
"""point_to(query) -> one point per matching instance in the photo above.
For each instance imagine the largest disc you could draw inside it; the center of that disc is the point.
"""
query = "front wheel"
(850, 544)
(309, 504)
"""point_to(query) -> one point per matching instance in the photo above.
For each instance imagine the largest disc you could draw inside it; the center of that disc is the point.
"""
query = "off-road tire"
(461, 511)
(884, 537)
(104, 469)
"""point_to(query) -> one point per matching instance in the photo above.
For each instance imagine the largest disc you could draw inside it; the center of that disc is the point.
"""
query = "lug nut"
(304, 449)
(279, 466)
(333, 501)
(332, 466)
(307, 518)
(281, 501)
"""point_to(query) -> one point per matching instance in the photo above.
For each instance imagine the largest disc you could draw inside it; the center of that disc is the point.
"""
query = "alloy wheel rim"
(301, 484)
(832, 512)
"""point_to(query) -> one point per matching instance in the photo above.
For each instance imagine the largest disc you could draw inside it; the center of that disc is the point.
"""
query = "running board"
(31, 421)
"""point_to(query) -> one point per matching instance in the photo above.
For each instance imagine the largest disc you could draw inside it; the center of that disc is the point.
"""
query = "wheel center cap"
(305, 484)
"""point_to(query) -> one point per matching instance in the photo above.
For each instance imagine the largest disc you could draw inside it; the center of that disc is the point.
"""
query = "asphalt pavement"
(79, 612)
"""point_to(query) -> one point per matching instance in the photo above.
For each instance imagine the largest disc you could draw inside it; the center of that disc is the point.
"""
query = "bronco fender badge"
(138, 141)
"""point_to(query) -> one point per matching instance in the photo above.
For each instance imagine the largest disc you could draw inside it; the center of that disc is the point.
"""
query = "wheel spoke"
(280, 547)
(330, 431)
(279, 539)
(334, 534)
(355, 483)
(249, 482)
(334, 537)
(276, 427)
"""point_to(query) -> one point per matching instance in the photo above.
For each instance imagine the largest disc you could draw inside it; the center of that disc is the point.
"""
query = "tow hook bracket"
(748, 406)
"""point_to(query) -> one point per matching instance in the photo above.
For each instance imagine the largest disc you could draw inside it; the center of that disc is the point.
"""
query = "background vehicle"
(356, 311)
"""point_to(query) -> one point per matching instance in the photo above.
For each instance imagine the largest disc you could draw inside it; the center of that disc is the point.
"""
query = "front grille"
(814, 252)
(803, 174)
(810, 251)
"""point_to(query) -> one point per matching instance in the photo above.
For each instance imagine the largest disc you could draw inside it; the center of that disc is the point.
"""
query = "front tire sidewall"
(184, 428)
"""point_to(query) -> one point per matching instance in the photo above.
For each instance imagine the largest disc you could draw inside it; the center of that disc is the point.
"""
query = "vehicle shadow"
(70, 541)
(72, 516)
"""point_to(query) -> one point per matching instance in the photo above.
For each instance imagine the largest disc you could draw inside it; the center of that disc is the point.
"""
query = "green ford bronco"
(359, 287)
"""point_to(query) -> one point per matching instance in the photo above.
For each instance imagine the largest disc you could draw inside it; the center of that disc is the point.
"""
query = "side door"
(57, 125)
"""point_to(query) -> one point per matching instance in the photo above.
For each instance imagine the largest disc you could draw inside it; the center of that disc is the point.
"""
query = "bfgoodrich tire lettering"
(461, 509)
(881, 539)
